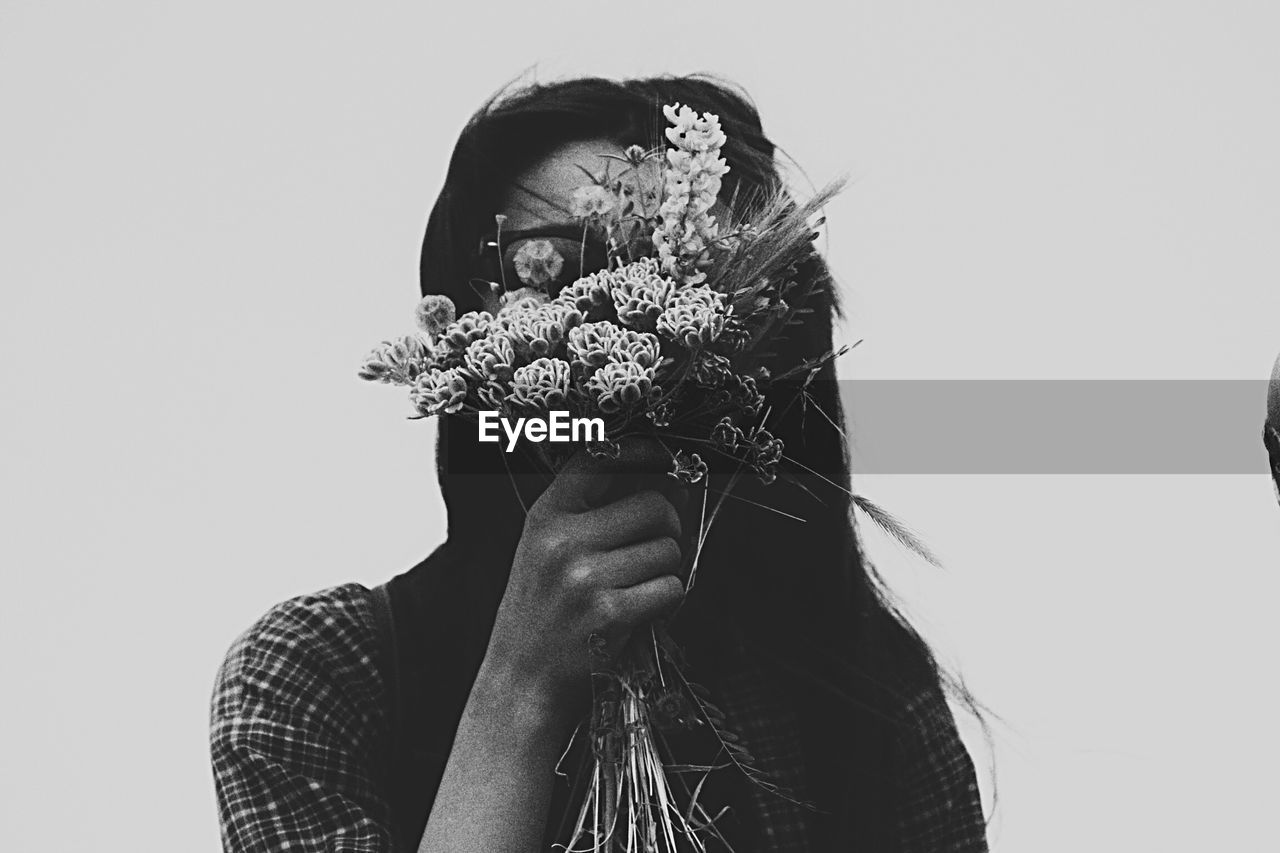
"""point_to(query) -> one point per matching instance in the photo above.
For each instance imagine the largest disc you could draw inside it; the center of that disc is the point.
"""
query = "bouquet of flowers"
(669, 339)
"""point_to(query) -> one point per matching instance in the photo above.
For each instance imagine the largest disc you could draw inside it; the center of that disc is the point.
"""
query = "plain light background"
(210, 211)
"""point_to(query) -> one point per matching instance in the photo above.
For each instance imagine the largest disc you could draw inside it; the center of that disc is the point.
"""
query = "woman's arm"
(580, 570)
(497, 783)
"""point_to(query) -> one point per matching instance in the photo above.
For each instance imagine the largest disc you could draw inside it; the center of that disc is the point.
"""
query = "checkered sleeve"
(297, 730)
(941, 808)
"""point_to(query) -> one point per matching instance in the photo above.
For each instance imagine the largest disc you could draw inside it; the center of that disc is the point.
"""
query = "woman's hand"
(585, 567)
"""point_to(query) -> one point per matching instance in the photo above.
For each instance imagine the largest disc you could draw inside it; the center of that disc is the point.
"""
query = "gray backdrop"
(209, 211)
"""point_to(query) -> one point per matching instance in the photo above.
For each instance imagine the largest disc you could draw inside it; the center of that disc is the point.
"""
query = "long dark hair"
(799, 596)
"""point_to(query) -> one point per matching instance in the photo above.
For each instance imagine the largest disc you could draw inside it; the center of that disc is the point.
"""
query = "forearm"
(497, 783)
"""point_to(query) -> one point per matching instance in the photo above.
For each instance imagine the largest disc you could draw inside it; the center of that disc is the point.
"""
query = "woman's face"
(542, 245)
(541, 195)
(540, 198)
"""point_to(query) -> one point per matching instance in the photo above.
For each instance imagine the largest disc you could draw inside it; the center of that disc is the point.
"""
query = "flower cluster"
(440, 392)
(688, 467)
(669, 338)
(592, 345)
(541, 386)
(591, 296)
(694, 316)
(450, 348)
(537, 354)
(434, 314)
(645, 337)
(640, 294)
(398, 362)
(592, 203)
(764, 452)
(537, 331)
(537, 262)
(621, 385)
(692, 184)
(490, 359)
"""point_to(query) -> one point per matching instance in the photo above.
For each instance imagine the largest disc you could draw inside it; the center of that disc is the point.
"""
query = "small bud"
(434, 313)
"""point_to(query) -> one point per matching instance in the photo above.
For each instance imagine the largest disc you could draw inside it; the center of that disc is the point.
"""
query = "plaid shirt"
(300, 724)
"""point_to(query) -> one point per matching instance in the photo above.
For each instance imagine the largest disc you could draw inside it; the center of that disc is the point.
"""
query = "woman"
(432, 713)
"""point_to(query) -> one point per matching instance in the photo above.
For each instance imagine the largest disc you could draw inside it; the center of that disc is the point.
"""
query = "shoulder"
(940, 799)
(317, 650)
(298, 731)
(928, 740)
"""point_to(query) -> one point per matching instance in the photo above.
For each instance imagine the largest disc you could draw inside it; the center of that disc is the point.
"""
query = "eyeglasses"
(549, 257)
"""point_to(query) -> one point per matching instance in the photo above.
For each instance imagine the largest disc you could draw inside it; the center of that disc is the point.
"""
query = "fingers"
(635, 605)
(634, 518)
(584, 480)
(637, 563)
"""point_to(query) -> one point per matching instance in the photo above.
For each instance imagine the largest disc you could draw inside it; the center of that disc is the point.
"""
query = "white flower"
(641, 347)
(492, 395)
(592, 201)
(692, 185)
(398, 362)
(537, 262)
(439, 392)
(434, 314)
(620, 385)
(694, 316)
(590, 295)
(692, 132)
(593, 345)
(640, 293)
(455, 339)
(540, 331)
(522, 299)
(541, 385)
(636, 155)
(490, 359)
